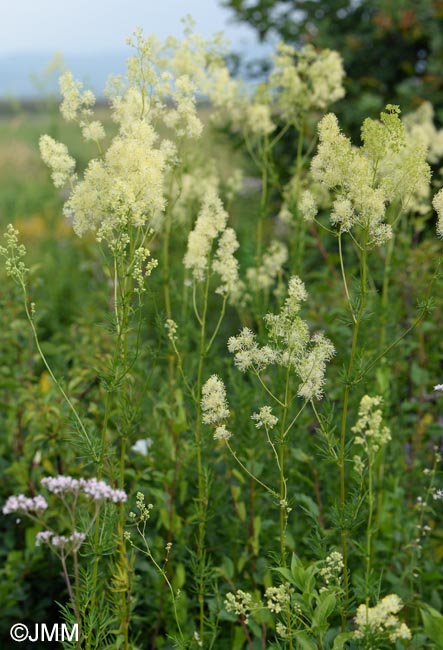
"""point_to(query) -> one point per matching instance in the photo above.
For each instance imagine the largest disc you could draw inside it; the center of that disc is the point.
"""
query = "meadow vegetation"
(221, 401)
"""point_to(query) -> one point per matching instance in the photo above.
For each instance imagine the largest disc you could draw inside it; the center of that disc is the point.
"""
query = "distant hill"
(18, 70)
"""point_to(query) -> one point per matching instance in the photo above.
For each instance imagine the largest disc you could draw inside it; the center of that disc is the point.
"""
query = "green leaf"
(241, 511)
(307, 504)
(295, 562)
(227, 567)
(287, 575)
(304, 642)
(340, 640)
(239, 639)
(300, 455)
(180, 575)
(299, 577)
(325, 607)
(433, 624)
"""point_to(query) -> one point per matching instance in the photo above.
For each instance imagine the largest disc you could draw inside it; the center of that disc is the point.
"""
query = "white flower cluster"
(241, 603)
(386, 169)
(421, 129)
(278, 598)
(333, 569)
(222, 433)
(381, 620)
(264, 418)
(14, 253)
(66, 543)
(77, 104)
(371, 433)
(311, 365)
(306, 354)
(293, 345)
(92, 488)
(307, 206)
(301, 80)
(210, 224)
(226, 265)
(281, 630)
(21, 503)
(248, 354)
(437, 202)
(211, 221)
(196, 183)
(55, 155)
(125, 187)
(215, 406)
(271, 266)
(142, 268)
(183, 117)
(258, 118)
(171, 329)
(305, 80)
(143, 508)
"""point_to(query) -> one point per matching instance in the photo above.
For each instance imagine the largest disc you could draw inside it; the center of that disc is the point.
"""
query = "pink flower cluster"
(74, 541)
(62, 484)
(20, 503)
(92, 488)
(99, 491)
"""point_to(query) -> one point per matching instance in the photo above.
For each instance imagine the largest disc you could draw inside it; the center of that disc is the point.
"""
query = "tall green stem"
(263, 203)
(202, 496)
(385, 292)
(344, 419)
(281, 467)
(369, 532)
(300, 225)
(123, 559)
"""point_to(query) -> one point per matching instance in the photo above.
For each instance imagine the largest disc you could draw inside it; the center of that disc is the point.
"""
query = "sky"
(93, 26)
(91, 35)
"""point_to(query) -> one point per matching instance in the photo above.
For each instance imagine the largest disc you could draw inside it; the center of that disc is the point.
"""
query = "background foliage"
(392, 49)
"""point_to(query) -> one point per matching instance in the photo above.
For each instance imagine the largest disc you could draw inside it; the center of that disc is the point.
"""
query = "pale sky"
(91, 26)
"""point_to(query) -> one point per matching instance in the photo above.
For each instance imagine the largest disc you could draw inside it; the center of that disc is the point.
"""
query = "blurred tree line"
(392, 49)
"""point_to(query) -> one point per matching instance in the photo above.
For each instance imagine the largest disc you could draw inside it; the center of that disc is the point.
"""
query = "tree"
(392, 49)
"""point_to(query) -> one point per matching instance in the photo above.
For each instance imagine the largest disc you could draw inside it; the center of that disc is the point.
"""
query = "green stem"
(217, 327)
(344, 419)
(281, 467)
(342, 266)
(245, 469)
(270, 393)
(128, 292)
(369, 533)
(300, 231)
(391, 346)
(163, 573)
(202, 497)
(53, 377)
(69, 586)
(385, 292)
(77, 594)
(262, 216)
